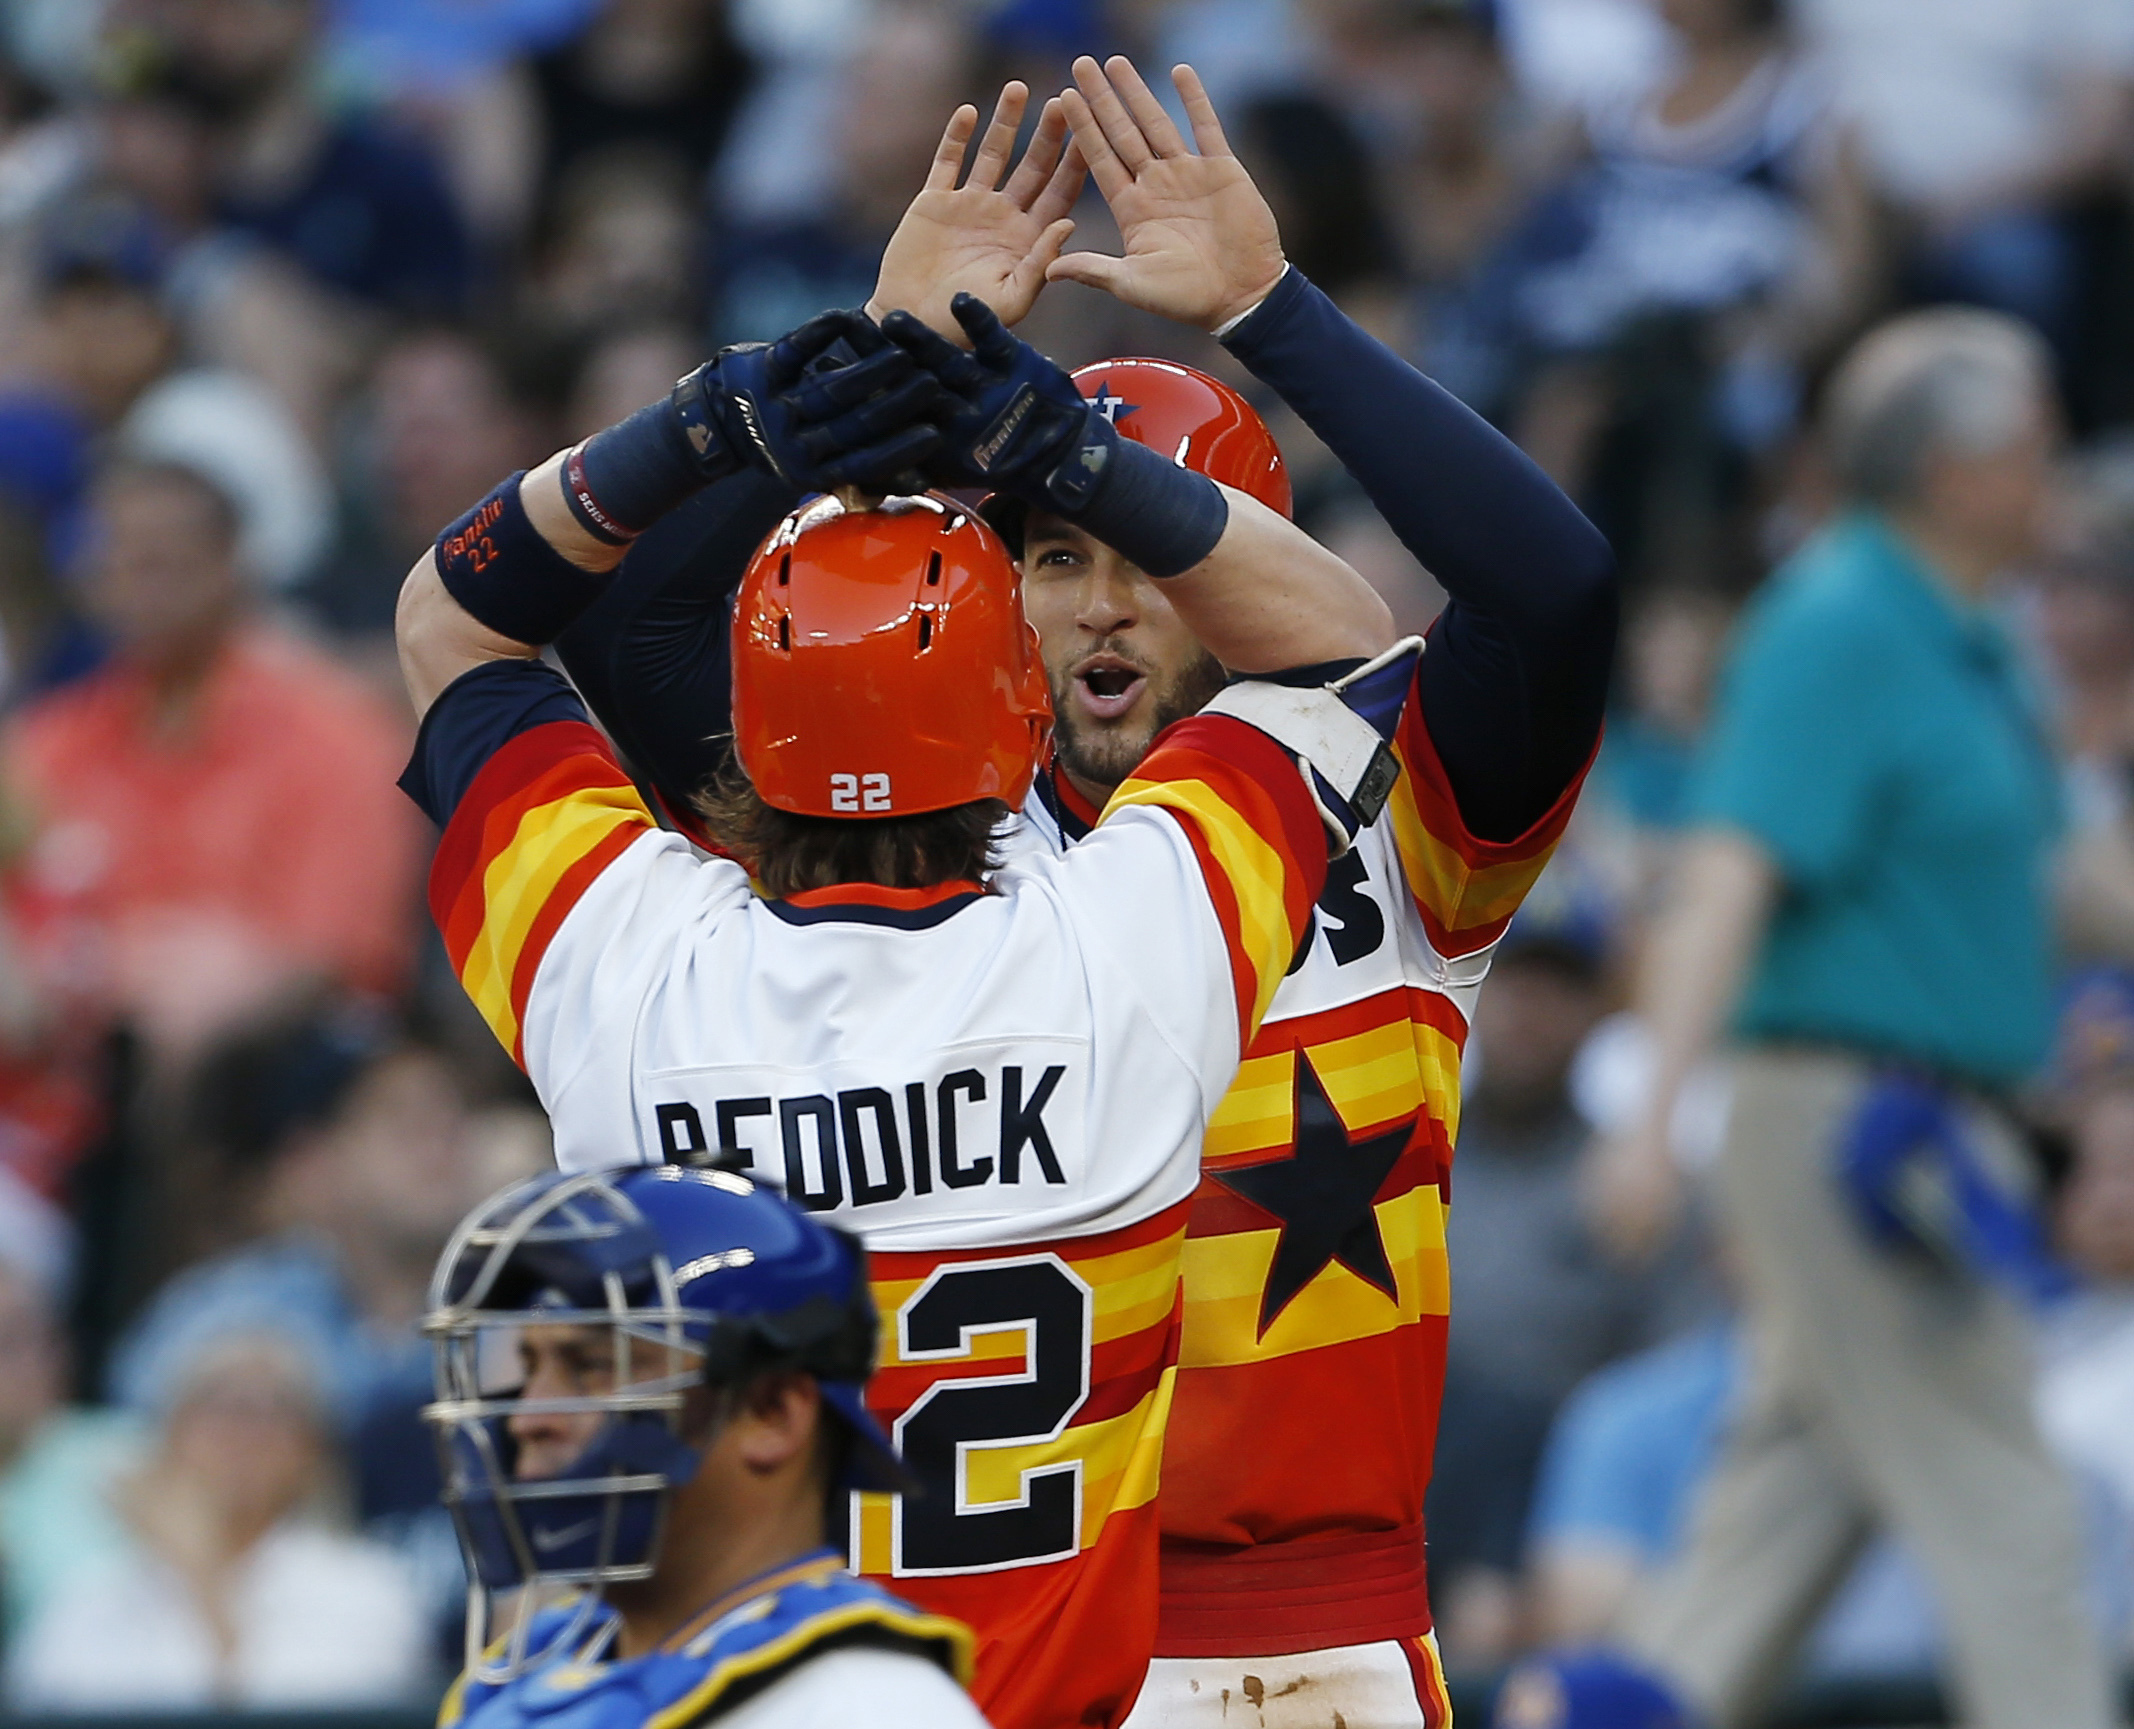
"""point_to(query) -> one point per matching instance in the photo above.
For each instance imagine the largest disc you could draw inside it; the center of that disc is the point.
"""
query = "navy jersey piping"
(853, 912)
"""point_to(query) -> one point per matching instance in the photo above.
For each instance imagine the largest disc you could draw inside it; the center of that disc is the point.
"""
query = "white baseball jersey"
(1005, 1092)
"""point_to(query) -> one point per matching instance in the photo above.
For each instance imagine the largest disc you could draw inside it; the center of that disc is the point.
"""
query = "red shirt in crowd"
(185, 871)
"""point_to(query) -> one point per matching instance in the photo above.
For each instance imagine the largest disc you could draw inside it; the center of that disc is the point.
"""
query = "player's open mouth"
(1107, 686)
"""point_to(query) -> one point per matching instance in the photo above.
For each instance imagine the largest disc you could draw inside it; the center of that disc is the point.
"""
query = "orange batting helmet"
(883, 665)
(1196, 421)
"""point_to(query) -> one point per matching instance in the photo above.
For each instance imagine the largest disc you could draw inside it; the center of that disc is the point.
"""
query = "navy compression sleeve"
(653, 655)
(1516, 676)
(473, 718)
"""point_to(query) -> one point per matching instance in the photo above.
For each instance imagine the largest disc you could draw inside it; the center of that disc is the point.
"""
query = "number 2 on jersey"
(949, 1427)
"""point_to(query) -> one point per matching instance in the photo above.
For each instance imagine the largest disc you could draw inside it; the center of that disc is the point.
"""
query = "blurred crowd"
(286, 285)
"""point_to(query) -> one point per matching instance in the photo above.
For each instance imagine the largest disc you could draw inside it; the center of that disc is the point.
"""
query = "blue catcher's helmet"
(694, 1277)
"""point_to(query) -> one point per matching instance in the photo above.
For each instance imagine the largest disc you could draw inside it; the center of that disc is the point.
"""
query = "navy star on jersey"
(1322, 1194)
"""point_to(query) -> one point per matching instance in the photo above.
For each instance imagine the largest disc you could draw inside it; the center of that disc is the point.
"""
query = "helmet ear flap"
(834, 1338)
(830, 1339)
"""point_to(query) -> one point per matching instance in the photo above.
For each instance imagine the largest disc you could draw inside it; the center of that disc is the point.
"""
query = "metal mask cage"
(571, 1252)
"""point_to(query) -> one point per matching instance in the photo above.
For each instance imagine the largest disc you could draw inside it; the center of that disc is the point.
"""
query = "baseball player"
(649, 1391)
(1002, 1082)
(1315, 1281)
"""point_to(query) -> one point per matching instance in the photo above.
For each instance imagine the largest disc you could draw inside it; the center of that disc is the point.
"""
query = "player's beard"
(1104, 753)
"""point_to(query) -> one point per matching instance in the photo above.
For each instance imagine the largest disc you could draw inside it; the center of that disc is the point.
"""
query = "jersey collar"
(871, 904)
(1074, 813)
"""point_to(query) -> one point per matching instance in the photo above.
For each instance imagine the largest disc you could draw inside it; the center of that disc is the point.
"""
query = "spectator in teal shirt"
(58, 1462)
(1877, 740)
(1864, 892)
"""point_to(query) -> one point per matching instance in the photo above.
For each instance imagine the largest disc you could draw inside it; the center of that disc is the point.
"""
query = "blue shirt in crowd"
(1631, 1445)
(1874, 733)
(371, 216)
(375, 1380)
(1626, 1461)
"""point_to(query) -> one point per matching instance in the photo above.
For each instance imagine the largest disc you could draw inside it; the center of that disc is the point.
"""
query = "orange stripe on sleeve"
(547, 813)
(1466, 888)
(1242, 802)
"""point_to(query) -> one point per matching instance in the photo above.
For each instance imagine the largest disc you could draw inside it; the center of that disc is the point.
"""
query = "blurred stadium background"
(287, 284)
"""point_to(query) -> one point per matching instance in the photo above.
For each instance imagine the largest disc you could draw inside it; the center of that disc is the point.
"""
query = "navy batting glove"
(1024, 429)
(833, 404)
(869, 421)
(1019, 425)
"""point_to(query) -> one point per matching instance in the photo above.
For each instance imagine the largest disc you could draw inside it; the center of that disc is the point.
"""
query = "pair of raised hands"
(927, 383)
(1199, 241)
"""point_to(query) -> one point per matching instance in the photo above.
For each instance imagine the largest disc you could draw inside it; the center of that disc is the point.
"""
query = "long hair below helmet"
(882, 663)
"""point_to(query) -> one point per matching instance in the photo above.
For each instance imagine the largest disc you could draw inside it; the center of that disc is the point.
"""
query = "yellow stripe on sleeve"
(1256, 872)
(519, 881)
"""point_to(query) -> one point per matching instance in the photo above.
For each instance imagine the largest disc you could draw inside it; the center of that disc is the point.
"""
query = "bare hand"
(1201, 244)
(991, 239)
(1633, 1193)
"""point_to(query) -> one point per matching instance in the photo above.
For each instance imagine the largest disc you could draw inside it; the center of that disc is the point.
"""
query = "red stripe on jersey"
(1120, 1371)
(1367, 1014)
(544, 816)
(1042, 1667)
(1341, 1444)
(1244, 977)
(1349, 1588)
(1265, 911)
(1466, 887)
(569, 886)
(534, 768)
(1429, 1677)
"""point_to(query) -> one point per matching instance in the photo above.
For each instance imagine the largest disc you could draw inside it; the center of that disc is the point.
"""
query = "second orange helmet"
(1196, 421)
